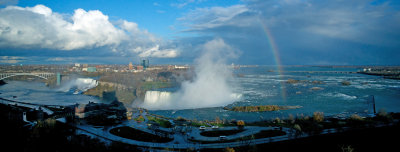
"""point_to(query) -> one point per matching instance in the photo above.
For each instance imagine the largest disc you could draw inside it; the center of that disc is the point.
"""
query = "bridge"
(40, 75)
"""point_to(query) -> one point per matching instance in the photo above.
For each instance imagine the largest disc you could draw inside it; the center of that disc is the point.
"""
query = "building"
(139, 67)
(91, 69)
(130, 66)
(112, 113)
(85, 65)
(170, 67)
(145, 63)
(181, 67)
(77, 65)
(58, 78)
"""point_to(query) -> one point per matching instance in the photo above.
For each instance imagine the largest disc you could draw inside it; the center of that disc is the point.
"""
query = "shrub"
(240, 124)
(297, 127)
(227, 149)
(318, 116)
(355, 117)
(384, 116)
(291, 119)
(277, 120)
(347, 149)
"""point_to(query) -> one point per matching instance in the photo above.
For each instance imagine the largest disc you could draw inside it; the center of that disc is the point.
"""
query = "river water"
(260, 86)
(263, 86)
(39, 93)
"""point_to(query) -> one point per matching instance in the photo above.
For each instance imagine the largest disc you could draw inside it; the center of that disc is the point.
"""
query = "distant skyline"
(263, 32)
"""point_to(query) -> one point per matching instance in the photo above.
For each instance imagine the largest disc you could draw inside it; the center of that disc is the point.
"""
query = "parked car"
(202, 127)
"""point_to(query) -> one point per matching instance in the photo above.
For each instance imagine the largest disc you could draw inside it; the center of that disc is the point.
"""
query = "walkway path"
(27, 105)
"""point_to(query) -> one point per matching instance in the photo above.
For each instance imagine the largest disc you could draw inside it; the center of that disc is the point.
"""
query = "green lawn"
(161, 122)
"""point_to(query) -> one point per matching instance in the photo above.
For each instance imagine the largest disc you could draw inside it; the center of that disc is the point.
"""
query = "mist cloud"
(210, 87)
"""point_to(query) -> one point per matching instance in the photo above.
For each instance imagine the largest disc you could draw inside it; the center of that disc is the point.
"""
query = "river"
(260, 86)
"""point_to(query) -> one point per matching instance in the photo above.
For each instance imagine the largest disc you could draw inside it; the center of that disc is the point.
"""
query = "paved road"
(180, 140)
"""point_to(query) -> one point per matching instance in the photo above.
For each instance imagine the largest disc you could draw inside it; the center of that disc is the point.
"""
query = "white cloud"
(214, 17)
(156, 52)
(11, 59)
(39, 27)
(183, 3)
(356, 21)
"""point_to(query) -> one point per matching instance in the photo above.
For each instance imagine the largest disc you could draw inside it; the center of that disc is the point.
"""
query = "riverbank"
(261, 108)
(385, 72)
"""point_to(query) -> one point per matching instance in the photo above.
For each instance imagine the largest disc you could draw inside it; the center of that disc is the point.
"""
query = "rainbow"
(275, 52)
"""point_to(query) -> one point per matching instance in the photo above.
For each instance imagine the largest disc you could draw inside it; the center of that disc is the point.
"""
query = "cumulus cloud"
(39, 27)
(156, 52)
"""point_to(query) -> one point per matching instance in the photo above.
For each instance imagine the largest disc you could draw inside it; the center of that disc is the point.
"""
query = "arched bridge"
(40, 75)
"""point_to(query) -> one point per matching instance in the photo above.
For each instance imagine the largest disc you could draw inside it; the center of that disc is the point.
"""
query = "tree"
(240, 124)
(318, 116)
(297, 128)
(227, 149)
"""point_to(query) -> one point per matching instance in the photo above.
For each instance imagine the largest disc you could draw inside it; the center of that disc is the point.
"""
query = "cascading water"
(156, 97)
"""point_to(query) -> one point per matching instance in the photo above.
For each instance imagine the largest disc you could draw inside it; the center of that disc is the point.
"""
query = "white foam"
(341, 95)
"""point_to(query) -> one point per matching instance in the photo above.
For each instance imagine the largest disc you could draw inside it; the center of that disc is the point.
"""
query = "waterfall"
(79, 85)
(84, 84)
(154, 98)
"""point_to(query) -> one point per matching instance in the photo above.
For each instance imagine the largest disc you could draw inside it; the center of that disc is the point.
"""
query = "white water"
(167, 100)
(157, 97)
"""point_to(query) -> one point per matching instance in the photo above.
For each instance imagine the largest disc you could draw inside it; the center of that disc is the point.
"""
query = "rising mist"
(209, 88)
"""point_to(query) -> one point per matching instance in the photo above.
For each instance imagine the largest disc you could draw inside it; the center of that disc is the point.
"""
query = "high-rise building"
(145, 63)
(58, 78)
(130, 66)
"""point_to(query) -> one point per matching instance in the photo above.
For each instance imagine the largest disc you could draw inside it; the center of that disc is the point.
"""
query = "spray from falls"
(210, 87)
(79, 85)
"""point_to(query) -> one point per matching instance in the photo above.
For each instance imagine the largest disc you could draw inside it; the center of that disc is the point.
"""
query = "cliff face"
(114, 85)
(110, 91)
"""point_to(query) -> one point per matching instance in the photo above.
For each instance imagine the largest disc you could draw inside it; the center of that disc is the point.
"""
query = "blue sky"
(306, 32)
